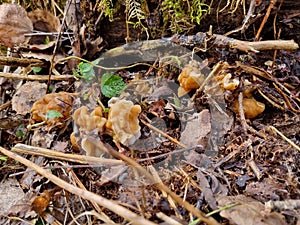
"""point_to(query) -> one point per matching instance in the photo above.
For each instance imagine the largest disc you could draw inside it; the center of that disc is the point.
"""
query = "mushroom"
(92, 149)
(89, 121)
(252, 108)
(61, 102)
(190, 78)
(123, 120)
(228, 83)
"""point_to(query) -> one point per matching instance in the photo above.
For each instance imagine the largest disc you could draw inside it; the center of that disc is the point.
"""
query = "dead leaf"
(249, 212)
(206, 190)
(42, 138)
(197, 129)
(14, 24)
(26, 95)
(265, 190)
(30, 176)
(11, 122)
(112, 174)
(11, 193)
(43, 56)
(60, 146)
(43, 21)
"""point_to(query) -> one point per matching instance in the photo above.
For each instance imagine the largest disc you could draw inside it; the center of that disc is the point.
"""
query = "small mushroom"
(89, 121)
(92, 149)
(252, 108)
(123, 121)
(190, 78)
(228, 83)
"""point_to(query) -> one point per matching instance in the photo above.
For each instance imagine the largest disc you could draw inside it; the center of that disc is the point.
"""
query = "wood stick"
(16, 76)
(24, 62)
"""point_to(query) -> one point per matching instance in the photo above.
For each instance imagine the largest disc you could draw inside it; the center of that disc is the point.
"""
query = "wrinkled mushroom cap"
(123, 120)
(252, 108)
(89, 121)
(189, 79)
(61, 102)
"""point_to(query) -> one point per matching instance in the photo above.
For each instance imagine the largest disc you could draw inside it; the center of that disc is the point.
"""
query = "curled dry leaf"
(249, 211)
(61, 102)
(89, 121)
(44, 20)
(197, 129)
(123, 121)
(14, 24)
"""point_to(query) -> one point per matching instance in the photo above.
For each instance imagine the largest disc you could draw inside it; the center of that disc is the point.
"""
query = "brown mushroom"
(61, 102)
(190, 78)
(123, 121)
(252, 108)
(89, 121)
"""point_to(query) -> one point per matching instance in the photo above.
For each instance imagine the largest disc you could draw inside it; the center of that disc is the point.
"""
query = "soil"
(200, 150)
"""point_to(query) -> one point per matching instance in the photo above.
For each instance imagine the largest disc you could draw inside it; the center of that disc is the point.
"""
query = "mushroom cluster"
(122, 123)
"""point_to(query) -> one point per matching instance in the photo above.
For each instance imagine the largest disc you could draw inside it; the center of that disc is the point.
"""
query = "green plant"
(182, 15)
(53, 114)
(3, 158)
(135, 14)
(197, 9)
(111, 85)
(20, 132)
(107, 7)
(86, 70)
(36, 69)
(47, 40)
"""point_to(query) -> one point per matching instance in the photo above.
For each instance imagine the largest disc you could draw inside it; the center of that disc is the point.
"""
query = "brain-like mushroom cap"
(61, 102)
(190, 78)
(123, 120)
(89, 121)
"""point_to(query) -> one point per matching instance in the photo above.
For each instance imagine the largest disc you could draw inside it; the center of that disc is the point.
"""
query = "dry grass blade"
(109, 204)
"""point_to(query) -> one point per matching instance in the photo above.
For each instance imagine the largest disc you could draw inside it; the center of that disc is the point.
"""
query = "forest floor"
(144, 114)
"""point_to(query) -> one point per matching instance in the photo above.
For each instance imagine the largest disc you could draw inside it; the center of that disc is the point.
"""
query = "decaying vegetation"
(150, 112)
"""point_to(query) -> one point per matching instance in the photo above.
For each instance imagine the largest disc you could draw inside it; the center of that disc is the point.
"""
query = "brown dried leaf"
(14, 23)
(249, 212)
(197, 129)
(43, 21)
(265, 190)
(26, 95)
(207, 191)
(11, 193)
